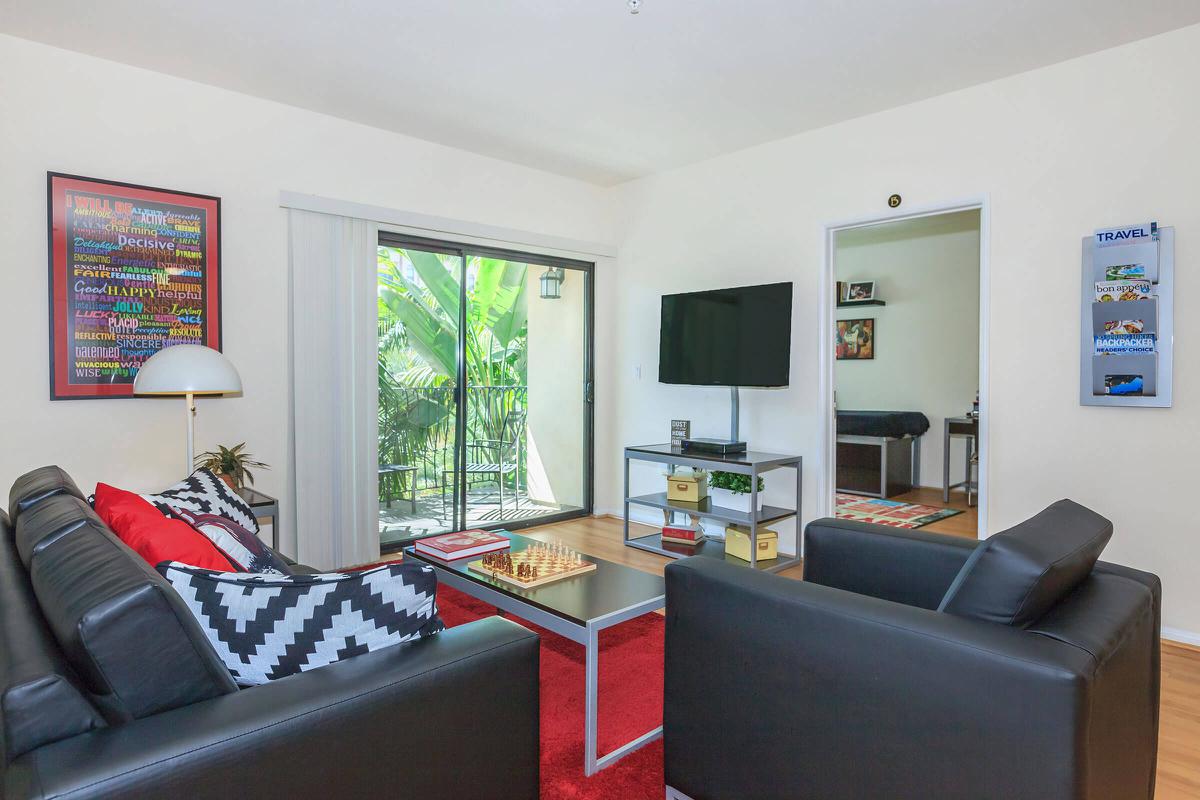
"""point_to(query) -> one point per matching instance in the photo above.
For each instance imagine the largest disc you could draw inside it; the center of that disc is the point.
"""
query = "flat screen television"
(727, 337)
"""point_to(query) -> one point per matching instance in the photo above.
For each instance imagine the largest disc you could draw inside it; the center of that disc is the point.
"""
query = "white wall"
(927, 336)
(557, 356)
(66, 112)
(1101, 140)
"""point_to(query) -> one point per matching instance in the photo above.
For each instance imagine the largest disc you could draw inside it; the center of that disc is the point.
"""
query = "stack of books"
(464, 544)
(682, 534)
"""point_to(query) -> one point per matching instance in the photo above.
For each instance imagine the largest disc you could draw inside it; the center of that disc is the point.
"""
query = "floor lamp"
(187, 370)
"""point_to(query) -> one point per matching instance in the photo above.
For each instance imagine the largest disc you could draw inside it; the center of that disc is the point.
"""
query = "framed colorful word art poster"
(132, 270)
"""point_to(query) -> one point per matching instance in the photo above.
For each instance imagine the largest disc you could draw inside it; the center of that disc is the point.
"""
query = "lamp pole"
(191, 432)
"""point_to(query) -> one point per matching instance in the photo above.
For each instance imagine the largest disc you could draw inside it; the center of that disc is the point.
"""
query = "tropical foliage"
(420, 313)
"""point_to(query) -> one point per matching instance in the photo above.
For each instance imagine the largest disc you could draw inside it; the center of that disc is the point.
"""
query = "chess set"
(536, 565)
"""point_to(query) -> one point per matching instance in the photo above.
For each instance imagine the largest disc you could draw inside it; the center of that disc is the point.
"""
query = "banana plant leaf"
(432, 338)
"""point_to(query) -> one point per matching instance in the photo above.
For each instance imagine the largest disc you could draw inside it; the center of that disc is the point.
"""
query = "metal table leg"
(946, 461)
(591, 763)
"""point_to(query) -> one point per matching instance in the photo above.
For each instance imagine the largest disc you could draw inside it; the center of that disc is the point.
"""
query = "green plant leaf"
(437, 279)
(430, 336)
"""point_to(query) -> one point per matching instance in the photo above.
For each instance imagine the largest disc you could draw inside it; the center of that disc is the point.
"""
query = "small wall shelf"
(853, 303)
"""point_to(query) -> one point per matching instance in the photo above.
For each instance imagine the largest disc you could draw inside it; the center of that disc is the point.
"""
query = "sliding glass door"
(513, 330)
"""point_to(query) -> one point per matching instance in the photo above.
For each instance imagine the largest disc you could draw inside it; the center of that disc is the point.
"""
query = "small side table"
(966, 427)
(264, 507)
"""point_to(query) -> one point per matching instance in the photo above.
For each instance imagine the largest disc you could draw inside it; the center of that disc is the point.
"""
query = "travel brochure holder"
(1141, 375)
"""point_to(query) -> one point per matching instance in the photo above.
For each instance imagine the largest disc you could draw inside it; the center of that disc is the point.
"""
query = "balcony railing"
(416, 427)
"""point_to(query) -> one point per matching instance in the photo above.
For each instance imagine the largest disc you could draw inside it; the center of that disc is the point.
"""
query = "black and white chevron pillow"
(266, 626)
(203, 492)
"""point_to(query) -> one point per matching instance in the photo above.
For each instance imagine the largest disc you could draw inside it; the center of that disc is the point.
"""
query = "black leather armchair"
(106, 691)
(851, 684)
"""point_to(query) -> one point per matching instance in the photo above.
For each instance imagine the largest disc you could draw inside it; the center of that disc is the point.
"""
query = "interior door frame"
(465, 250)
(827, 486)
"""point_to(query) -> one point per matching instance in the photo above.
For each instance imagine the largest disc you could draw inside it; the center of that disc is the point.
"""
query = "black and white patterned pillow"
(244, 549)
(265, 627)
(203, 492)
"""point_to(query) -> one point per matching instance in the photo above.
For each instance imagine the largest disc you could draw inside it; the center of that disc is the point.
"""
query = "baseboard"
(638, 514)
(1180, 636)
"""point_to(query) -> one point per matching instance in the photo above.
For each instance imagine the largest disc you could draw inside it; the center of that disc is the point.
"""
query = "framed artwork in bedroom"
(133, 269)
(855, 340)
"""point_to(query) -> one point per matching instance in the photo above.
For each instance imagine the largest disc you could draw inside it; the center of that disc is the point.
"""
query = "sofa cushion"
(136, 647)
(40, 698)
(266, 627)
(49, 520)
(203, 492)
(247, 552)
(1016, 576)
(153, 536)
(35, 486)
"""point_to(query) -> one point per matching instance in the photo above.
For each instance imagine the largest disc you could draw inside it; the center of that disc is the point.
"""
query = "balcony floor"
(399, 523)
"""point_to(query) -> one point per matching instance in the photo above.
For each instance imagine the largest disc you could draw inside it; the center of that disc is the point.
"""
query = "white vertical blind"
(334, 401)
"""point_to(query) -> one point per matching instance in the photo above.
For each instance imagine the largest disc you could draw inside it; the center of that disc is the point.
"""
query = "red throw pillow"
(152, 535)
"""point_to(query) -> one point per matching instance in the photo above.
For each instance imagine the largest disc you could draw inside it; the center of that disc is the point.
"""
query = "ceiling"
(582, 87)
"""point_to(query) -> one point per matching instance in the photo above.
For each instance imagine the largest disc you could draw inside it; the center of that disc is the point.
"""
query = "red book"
(464, 544)
(682, 533)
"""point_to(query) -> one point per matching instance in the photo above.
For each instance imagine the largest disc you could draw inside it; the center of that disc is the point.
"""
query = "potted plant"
(732, 490)
(230, 464)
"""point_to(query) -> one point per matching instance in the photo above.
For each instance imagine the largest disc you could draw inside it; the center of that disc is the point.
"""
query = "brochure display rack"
(1127, 317)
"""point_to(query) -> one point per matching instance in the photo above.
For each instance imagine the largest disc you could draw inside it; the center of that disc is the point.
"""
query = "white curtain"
(334, 400)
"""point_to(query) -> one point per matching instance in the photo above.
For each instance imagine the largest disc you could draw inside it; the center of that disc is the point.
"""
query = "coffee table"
(577, 608)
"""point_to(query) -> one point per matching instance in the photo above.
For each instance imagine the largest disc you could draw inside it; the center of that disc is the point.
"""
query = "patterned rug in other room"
(889, 512)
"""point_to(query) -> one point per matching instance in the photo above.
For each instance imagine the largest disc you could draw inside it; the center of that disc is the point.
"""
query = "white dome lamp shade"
(187, 370)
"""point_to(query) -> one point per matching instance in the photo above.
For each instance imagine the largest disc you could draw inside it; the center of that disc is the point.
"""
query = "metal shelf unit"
(750, 463)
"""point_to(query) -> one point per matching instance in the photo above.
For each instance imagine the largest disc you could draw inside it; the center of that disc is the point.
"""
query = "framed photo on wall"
(855, 340)
(133, 269)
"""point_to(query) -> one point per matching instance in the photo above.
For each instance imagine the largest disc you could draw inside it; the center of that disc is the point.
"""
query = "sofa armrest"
(783, 689)
(904, 566)
(428, 719)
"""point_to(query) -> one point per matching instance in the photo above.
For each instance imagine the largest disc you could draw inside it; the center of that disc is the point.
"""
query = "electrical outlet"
(637, 372)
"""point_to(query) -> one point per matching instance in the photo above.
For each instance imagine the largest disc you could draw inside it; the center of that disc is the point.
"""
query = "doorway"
(485, 388)
(906, 429)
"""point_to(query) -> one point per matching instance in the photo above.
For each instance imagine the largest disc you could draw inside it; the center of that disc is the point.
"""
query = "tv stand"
(750, 463)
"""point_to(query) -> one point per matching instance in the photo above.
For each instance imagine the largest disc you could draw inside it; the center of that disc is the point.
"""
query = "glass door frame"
(464, 252)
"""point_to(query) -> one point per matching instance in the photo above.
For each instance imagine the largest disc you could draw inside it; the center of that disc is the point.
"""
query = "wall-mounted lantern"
(551, 281)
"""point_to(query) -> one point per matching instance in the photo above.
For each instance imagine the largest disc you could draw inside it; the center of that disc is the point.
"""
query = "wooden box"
(687, 488)
(737, 543)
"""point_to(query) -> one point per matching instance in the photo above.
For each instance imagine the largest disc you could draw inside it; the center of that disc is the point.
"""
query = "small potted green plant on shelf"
(231, 464)
(732, 490)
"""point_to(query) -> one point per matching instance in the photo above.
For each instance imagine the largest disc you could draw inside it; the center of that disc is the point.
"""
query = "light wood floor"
(1179, 729)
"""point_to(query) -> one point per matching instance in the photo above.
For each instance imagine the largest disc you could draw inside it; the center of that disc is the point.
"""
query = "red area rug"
(631, 699)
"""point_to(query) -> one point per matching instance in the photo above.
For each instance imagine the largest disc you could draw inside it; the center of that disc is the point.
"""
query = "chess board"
(553, 563)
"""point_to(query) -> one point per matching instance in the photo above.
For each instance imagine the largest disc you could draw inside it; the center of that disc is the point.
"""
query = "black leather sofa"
(852, 684)
(108, 688)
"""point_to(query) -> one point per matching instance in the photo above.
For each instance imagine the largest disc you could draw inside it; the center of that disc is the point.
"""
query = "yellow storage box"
(687, 488)
(737, 543)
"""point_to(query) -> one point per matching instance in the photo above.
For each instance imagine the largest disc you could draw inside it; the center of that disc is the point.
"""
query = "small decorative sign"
(132, 270)
(680, 429)
(894, 201)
